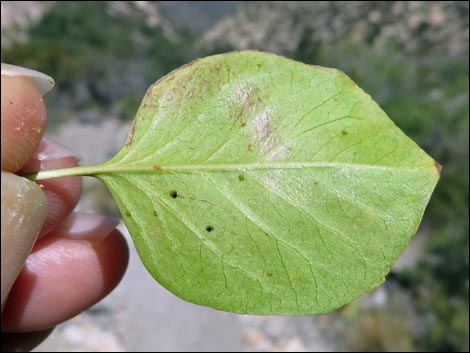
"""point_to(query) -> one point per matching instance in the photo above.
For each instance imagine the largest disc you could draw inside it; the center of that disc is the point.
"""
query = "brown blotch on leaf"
(157, 167)
(128, 214)
(217, 68)
(438, 167)
(243, 124)
(344, 132)
(174, 194)
(315, 183)
(155, 213)
(130, 138)
(241, 177)
(209, 228)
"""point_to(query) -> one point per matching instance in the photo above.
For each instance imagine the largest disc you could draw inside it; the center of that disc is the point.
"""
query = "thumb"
(24, 208)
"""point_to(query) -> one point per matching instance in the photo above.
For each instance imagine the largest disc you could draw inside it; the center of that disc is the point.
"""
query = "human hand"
(77, 258)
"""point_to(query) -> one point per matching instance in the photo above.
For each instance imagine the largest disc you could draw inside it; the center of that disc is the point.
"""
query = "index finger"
(23, 114)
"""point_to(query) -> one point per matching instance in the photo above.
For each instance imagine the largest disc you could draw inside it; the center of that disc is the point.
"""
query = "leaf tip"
(438, 167)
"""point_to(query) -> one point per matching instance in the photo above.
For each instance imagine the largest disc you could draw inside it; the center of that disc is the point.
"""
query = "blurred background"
(411, 57)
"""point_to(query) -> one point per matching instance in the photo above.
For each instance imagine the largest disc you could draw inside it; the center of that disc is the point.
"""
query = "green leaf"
(256, 184)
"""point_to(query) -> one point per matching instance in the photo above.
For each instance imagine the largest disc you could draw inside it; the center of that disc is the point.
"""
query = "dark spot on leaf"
(243, 124)
(315, 183)
(268, 274)
(209, 228)
(174, 194)
(157, 167)
(241, 177)
(344, 132)
(249, 147)
(438, 167)
(155, 213)
(128, 214)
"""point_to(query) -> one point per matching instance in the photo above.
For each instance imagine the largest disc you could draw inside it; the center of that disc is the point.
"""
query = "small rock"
(256, 341)
(293, 345)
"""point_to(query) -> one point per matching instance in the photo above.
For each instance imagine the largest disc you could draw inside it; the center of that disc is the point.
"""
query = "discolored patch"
(264, 132)
(438, 167)
(130, 137)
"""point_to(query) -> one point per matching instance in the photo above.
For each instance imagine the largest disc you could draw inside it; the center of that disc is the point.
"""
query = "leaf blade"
(290, 188)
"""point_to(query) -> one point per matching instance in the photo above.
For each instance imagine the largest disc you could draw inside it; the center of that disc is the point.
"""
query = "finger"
(24, 208)
(62, 193)
(62, 277)
(87, 226)
(23, 115)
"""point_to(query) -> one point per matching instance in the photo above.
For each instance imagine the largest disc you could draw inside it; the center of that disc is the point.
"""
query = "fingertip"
(63, 277)
(87, 226)
(43, 82)
(24, 208)
(23, 120)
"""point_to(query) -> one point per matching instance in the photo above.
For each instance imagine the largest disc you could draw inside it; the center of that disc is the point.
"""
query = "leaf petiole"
(64, 172)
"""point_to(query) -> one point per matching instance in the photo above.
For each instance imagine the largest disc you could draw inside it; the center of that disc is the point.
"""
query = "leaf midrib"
(111, 169)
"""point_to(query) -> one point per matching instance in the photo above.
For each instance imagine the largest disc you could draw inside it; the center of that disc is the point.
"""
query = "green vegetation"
(101, 56)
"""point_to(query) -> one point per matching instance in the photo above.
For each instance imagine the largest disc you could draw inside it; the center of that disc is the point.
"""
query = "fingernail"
(87, 226)
(49, 150)
(24, 208)
(43, 82)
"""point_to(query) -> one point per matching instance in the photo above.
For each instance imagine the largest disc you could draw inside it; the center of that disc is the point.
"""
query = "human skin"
(77, 258)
